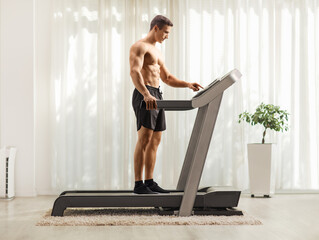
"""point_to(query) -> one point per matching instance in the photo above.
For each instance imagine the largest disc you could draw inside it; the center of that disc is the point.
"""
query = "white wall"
(25, 55)
(17, 88)
(43, 18)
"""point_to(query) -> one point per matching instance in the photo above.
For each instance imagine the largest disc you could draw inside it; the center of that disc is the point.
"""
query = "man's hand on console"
(150, 102)
(194, 86)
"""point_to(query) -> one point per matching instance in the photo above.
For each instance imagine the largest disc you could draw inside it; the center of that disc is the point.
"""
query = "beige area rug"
(131, 216)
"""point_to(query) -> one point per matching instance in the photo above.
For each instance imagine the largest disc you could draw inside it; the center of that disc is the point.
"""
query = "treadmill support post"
(196, 154)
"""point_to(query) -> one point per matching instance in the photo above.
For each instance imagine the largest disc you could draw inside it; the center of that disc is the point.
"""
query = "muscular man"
(147, 66)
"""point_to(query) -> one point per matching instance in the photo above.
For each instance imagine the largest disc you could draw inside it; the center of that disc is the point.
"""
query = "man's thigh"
(145, 133)
(156, 138)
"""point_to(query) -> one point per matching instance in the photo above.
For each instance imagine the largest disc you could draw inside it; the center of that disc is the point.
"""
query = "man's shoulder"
(139, 46)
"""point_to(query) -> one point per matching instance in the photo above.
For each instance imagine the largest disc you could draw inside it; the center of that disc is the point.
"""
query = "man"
(146, 67)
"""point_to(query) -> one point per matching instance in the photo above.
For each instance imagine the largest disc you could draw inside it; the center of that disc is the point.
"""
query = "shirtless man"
(146, 67)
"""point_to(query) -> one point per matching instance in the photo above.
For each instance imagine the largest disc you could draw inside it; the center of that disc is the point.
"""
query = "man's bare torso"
(151, 65)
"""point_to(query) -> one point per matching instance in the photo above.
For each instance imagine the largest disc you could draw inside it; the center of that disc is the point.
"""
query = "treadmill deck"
(204, 199)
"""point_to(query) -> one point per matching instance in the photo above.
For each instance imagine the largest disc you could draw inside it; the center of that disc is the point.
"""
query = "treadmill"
(186, 199)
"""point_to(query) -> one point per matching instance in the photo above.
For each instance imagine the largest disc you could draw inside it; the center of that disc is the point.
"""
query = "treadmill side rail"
(221, 199)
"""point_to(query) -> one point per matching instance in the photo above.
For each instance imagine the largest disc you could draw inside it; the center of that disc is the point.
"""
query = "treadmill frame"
(208, 103)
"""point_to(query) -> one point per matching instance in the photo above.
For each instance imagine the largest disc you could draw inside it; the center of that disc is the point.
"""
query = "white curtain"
(273, 43)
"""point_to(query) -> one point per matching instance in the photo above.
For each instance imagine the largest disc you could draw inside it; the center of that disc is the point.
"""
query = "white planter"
(261, 169)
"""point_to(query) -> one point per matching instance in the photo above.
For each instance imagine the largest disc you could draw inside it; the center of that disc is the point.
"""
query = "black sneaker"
(143, 189)
(155, 188)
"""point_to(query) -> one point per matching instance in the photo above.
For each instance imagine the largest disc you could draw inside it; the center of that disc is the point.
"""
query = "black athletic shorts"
(152, 119)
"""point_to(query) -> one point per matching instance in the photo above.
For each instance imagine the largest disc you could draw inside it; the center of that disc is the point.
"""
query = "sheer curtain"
(273, 43)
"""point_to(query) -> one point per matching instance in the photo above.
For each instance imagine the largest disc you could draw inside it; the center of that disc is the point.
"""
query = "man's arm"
(173, 81)
(137, 53)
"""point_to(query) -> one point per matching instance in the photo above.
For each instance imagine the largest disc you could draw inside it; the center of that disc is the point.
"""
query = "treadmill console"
(207, 87)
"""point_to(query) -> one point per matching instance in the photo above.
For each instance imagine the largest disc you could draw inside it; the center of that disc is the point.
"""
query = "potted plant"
(260, 155)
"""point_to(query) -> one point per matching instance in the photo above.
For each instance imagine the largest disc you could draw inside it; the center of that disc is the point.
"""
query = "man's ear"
(156, 28)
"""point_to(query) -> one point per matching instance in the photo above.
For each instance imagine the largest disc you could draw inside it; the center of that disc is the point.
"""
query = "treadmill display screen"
(208, 87)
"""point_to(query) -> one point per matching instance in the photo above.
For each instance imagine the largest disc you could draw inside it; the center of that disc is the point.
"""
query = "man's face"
(162, 34)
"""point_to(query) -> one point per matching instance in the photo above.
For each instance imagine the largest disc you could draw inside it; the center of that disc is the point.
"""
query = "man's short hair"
(160, 21)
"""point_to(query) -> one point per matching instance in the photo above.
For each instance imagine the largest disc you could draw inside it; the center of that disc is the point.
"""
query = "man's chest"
(153, 56)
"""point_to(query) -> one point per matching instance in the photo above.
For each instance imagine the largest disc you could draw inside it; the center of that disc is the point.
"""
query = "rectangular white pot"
(261, 168)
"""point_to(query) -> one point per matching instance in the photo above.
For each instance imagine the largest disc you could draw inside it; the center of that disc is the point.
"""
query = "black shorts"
(152, 119)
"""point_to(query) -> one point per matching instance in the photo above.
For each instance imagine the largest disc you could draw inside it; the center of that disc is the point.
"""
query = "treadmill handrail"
(174, 105)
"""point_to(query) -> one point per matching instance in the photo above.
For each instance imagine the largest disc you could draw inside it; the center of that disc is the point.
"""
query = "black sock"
(149, 182)
(138, 183)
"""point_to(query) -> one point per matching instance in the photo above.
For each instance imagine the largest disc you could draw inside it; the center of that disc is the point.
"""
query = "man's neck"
(150, 38)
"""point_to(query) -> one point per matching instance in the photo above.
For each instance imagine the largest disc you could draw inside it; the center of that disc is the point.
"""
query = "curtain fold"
(273, 43)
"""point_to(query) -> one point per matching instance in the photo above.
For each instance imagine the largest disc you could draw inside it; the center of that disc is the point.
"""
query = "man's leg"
(150, 154)
(144, 138)
(150, 159)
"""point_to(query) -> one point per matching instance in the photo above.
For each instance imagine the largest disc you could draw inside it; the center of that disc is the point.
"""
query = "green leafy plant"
(270, 116)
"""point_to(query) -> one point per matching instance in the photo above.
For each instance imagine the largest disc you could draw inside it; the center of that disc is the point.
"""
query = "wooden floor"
(284, 216)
